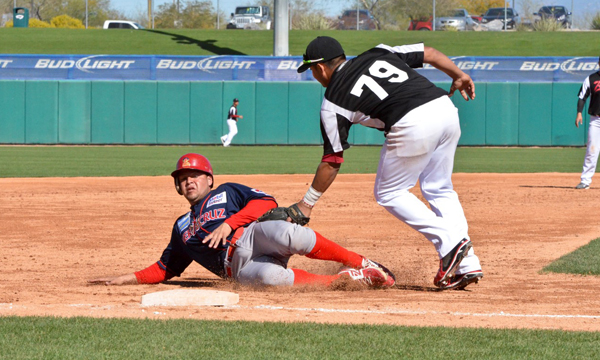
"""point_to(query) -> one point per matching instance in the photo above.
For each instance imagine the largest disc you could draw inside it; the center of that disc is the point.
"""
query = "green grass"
(583, 261)
(221, 42)
(69, 161)
(85, 338)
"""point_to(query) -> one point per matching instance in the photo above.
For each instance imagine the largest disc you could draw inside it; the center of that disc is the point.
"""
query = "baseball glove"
(282, 213)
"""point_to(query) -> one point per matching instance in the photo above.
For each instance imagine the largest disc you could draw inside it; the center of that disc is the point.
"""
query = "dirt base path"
(58, 232)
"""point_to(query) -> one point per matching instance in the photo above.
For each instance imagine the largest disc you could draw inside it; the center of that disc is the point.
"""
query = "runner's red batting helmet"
(194, 162)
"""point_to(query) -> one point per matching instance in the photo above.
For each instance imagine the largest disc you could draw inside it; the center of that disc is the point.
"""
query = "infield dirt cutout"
(56, 233)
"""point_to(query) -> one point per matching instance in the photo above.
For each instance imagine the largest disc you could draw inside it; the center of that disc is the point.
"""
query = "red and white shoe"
(366, 263)
(373, 277)
(450, 262)
(460, 281)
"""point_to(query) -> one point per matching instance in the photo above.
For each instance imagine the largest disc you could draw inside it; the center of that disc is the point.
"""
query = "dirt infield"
(58, 232)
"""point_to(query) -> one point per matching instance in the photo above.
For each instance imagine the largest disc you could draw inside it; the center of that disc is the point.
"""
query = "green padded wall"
(74, 112)
(502, 114)
(472, 115)
(564, 110)
(206, 112)
(245, 91)
(140, 109)
(12, 111)
(304, 100)
(173, 112)
(108, 103)
(272, 112)
(151, 112)
(535, 120)
(41, 112)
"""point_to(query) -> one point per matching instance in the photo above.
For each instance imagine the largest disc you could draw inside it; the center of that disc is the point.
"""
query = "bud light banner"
(266, 68)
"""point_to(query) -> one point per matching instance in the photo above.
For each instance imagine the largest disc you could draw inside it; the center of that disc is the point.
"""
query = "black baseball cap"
(236, 100)
(321, 49)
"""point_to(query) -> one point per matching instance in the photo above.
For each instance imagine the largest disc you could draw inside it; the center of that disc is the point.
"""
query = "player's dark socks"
(328, 250)
(302, 277)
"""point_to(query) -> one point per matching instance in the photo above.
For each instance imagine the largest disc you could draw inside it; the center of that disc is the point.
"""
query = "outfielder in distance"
(220, 233)
(380, 89)
(232, 119)
(590, 86)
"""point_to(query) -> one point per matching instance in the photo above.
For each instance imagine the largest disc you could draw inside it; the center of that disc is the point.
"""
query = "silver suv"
(250, 17)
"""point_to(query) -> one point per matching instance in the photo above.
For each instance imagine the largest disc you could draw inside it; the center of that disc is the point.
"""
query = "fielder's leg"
(406, 153)
(436, 184)
(592, 151)
(232, 124)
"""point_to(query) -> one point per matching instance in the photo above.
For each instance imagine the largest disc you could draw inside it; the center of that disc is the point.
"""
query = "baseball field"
(73, 213)
(61, 230)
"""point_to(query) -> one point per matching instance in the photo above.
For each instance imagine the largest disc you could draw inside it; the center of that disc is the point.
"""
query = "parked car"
(420, 24)
(559, 13)
(348, 20)
(512, 17)
(458, 19)
(121, 24)
(250, 17)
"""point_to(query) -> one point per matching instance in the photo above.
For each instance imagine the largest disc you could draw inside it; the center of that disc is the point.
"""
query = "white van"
(121, 24)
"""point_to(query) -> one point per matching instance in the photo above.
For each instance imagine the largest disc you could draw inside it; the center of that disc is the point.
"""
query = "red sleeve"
(153, 274)
(235, 116)
(252, 211)
(336, 158)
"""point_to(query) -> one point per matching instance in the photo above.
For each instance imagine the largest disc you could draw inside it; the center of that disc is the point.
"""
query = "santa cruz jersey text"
(375, 89)
(190, 229)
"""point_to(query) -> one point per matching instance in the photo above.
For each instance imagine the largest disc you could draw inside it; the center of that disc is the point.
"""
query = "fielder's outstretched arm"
(324, 177)
(460, 81)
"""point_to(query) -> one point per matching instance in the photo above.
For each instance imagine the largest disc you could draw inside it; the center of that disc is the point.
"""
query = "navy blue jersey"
(190, 229)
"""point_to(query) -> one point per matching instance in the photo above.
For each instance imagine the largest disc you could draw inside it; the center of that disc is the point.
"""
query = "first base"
(182, 297)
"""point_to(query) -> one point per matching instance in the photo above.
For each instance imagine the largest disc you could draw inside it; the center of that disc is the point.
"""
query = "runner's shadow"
(194, 283)
(208, 45)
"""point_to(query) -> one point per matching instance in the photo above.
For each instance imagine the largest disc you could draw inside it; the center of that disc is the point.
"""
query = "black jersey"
(590, 86)
(232, 113)
(375, 89)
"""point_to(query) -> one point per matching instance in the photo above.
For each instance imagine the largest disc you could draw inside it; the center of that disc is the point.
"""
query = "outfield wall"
(163, 112)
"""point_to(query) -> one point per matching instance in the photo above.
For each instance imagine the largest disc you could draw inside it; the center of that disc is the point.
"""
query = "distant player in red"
(232, 119)
(220, 233)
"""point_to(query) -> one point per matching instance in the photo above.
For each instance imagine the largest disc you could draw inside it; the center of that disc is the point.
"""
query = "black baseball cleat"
(450, 262)
(460, 281)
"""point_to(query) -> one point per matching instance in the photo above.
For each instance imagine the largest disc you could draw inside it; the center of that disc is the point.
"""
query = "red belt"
(231, 250)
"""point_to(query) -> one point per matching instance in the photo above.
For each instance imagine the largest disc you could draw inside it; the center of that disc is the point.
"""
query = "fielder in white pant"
(380, 89)
(590, 86)
(232, 120)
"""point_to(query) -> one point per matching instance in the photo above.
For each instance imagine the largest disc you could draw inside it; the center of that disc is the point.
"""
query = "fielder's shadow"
(208, 45)
(547, 187)
(418, 288)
